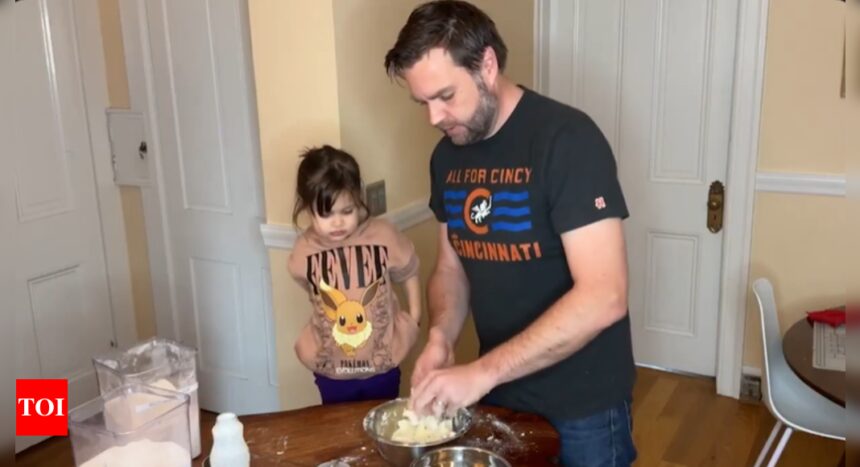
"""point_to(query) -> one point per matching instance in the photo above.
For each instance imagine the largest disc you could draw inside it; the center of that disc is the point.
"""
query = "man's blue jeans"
(604, 439)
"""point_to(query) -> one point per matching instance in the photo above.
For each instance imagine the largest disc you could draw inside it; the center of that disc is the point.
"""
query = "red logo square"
(41, 407)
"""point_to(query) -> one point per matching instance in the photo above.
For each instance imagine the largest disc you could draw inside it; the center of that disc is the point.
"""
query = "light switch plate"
(374, 194)
(129, 149)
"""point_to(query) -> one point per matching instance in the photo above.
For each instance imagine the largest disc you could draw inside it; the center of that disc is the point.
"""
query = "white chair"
(792, 402)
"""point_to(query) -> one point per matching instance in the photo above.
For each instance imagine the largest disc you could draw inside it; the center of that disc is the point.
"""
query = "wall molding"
(283, 236)
(279, 236)
(94, 78)
(540, 75)
(801, 183)
(743, 156)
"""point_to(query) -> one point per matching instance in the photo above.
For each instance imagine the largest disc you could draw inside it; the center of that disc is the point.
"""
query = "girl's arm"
(413, 295)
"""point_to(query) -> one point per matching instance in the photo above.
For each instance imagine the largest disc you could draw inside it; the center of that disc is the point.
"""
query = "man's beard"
(481, 123)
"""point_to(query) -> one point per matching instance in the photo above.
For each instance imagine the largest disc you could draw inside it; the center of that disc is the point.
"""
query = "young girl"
(358, 334)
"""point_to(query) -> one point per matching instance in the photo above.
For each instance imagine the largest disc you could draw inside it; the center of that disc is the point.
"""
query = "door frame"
(740, 177)
(91, 63)
(138, 62)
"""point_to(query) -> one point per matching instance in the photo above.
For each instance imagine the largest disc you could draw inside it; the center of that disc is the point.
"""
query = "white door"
(60, 291)
(656, 75)
(212, 204)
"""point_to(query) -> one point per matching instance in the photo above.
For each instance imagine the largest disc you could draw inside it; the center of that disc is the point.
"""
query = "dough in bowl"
(415, 429)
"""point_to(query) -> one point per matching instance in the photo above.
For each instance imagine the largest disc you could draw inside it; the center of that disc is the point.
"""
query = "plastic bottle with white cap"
(229, 448)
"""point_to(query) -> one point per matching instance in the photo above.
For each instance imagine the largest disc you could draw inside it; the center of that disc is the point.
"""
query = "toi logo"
(41, 407)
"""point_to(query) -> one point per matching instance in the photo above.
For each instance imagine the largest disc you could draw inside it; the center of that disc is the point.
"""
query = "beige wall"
(799, 241)
(803, 119)
(132, 203)
(337, 92)
(297, 104)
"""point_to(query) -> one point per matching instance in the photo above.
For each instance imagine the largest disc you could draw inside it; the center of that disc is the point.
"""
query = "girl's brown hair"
(324, 173)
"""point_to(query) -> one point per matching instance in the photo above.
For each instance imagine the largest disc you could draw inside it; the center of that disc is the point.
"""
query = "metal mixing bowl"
(460, 456)
(381, 422)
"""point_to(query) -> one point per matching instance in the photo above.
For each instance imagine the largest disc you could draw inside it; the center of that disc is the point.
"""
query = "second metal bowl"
(460, 456)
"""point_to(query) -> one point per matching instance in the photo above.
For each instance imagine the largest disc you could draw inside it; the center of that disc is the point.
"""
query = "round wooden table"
(797, 346)
(314, 435)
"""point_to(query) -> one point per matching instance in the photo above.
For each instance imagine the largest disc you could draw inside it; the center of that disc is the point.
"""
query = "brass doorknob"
(715, 206)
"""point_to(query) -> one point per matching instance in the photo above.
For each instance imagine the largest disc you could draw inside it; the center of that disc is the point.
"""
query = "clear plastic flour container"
(158, 362)
(132, 426)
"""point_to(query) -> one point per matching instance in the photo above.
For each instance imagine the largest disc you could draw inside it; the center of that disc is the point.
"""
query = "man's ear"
(489, 66)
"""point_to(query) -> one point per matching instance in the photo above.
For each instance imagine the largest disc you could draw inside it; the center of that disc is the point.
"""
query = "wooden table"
(311, 436)
(797, 346)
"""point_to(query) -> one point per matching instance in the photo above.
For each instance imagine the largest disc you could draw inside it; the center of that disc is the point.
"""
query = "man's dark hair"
(459, 27)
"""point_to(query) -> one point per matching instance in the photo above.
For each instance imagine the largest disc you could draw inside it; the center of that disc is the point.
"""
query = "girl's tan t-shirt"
(357, 328)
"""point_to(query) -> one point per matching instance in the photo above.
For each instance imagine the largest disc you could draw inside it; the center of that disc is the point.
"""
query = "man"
(530, 210)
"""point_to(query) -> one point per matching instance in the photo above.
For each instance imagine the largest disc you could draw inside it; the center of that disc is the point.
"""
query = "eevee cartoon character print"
(352, 288)
(352, 328)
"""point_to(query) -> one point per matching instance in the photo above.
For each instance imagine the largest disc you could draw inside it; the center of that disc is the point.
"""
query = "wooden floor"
(678, 421)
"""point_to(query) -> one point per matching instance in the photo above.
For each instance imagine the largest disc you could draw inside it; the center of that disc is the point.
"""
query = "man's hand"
(447, 306)
(447, 390)
(438, 353)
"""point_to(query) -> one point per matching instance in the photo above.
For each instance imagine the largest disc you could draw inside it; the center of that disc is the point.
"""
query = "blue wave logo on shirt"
(481, 211)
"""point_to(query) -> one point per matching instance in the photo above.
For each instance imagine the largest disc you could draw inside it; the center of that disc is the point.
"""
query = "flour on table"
(334, 463)
(413, 428)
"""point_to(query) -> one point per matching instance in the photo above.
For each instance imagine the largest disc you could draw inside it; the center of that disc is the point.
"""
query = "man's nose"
(436, 113)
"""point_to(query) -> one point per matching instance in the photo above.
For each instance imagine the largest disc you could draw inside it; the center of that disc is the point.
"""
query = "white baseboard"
(284, 235)
(751, 371)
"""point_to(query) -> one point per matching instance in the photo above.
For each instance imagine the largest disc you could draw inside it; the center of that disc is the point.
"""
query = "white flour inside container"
(143, 453)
